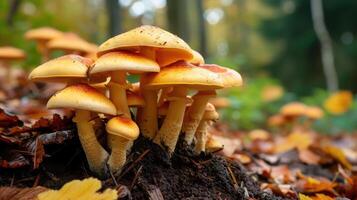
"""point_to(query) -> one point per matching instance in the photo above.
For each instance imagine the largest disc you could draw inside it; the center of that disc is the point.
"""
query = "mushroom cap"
(197, 58)
(62, 69)
(43, 34)
(123, 127)
(134, 99)
(210, 113)
(168, 47)
(314, 112)
(293, 109)
(82, 97)
(276, 120)
(123, 61)
(11, 53)
(220, 102)
(213, 145)
(182, 74)
(230, 77)
(71, 42)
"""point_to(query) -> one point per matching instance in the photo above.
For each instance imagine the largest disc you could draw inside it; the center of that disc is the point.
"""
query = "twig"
(37, 181)
(136, 177)
(12, 180)
(133, 163)
(113, 177)
(235, 183)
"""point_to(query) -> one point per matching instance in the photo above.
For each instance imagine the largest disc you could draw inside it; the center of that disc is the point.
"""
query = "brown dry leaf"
(297, 140)
(38, 153)
(279, 189)
(308, 157)
(309, 184)
(338, 155)
(14, 160)
(7, 120)
(13, 193)
(242, 158)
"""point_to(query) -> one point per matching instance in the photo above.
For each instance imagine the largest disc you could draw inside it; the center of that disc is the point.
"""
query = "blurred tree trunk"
(177, 15)
(202, 28)
(114, 17)
(14, 7)
(327, 57)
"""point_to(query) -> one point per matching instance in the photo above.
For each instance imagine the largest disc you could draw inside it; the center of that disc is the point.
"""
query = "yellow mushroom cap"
(71, 42)
(82, 97)
(293, 109)
(314, 112)
(220, 102)
(213, 145)
(168, 47)
(197, 58)
(62, 69)
(276, 120)
(210, 113)
(182, 74)
(43, 34)
(134, 99)
(230, 77)
(123, 127)
(11, 53)
(123, 61)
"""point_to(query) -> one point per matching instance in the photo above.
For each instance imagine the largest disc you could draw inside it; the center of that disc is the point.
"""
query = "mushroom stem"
(95, 153)
(148, 117)
(171, 127)
(117, 89)
(118, 157)
(41, 47)
(195, 113)
(201, 136)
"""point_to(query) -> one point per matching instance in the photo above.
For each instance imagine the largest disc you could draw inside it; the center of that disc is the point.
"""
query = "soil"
(149, 174)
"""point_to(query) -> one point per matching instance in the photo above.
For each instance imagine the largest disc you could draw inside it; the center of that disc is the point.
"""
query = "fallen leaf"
(337, 154)
(297, 140)
(13, 193)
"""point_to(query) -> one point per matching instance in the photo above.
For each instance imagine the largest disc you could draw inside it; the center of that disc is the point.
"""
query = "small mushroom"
(42, 35)
(312, 113)
(213, 145)
(229, 78)
(209, 115)
(125, 131)
(182, 76)
(71, 43)
(84, 99)
(8, 54)
(292, 112)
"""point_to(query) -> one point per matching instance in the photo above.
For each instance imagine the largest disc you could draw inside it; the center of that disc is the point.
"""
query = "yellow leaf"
(338, 154)
(295, 140)
(79, 190)
(339, 102)
(304, 197)
(323, 197)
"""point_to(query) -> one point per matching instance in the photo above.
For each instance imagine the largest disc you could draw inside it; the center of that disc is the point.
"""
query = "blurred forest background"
(272, 43)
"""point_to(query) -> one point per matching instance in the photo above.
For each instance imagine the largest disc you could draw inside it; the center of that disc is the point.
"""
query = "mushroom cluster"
(169, 72)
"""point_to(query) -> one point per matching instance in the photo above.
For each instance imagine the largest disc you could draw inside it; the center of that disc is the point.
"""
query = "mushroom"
(277, 121)
(71, 43)
(8, 54)
(42, 35)
(158, 45)
(182, 76)
(125, 131)
(213, 145)
(65, 69)
(292, 111)
(84, 99)
(116, 65)
(229, 77)
(312, 113)
(209, 115)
